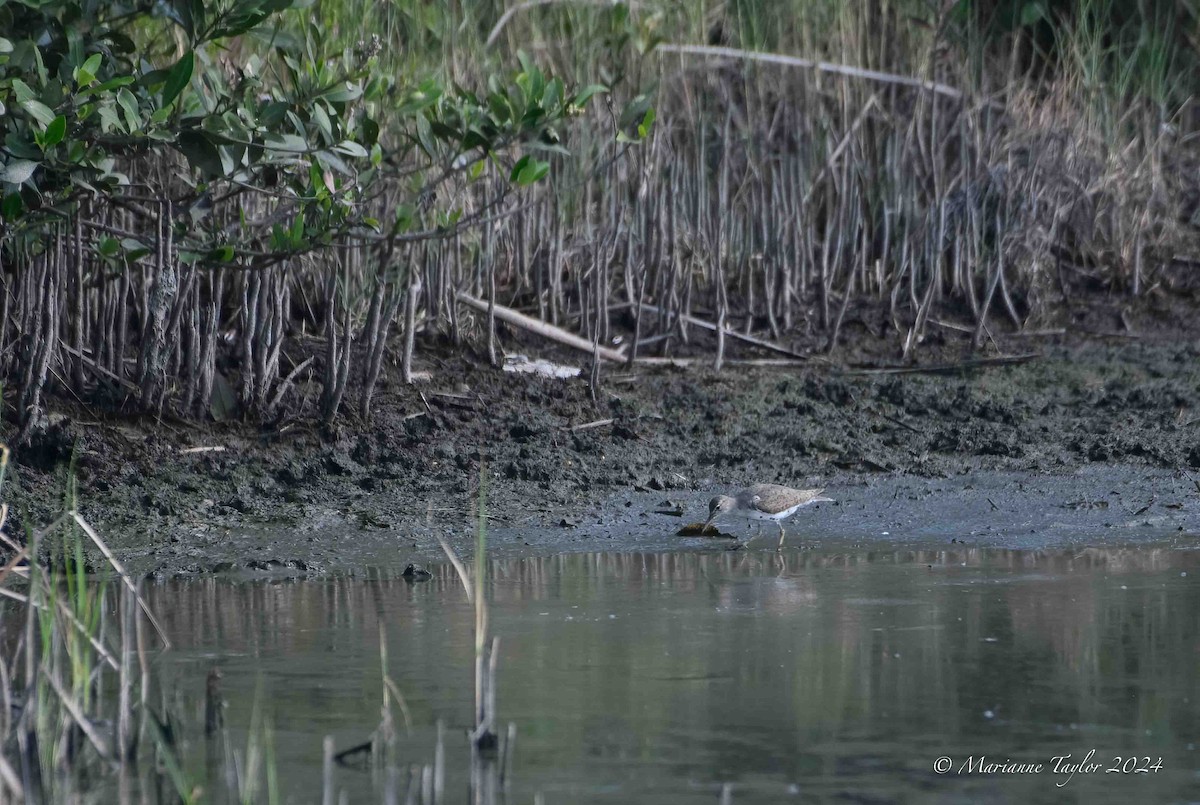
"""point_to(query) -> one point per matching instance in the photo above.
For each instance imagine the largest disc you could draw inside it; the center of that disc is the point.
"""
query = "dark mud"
(1089, 439)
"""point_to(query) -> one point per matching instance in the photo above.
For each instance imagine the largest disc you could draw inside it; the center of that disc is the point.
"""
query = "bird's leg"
(781, 535)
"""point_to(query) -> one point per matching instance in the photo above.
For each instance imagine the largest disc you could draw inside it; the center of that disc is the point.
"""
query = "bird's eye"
(757, 498)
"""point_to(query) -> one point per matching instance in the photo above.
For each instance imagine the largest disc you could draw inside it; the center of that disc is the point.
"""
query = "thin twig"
(810, 64)
(945, 368)
(458, 566)
(117, 566)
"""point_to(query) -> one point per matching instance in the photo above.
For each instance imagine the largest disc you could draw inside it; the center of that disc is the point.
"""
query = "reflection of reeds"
(483, 735)
(486, 773)
(1061, 620)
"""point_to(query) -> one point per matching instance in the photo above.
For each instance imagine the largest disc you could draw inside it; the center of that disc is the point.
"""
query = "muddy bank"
(561, 468)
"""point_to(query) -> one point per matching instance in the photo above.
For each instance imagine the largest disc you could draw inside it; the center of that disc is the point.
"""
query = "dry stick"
(152, 363)
(275, 335)
(401, 702)
(117, 566)
(453, 272)
(375, 352)
(489, 258)
(922, 314)
(943, 368)
(18, 557)
(1006, 297)
(410, 327)
(11, 780)
(770, 265)
(541, 328)
(654, 360)
(77, 322)
(100, 370)
(721, 238)
(15, 596)
(97, 740)
(809, 64)
(556, 257)
(599, 423)
(208, 349)
(459, 567)
(329, 400)
(375, 330)
(749, 339)
(43, 330)
(287, 383)
(594, 369)
(977, 337)
(837, 325)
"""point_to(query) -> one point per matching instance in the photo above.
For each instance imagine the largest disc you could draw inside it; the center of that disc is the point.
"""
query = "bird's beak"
(711, 517)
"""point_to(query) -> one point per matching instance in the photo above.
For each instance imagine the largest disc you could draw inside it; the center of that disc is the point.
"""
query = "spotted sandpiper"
(765, 502)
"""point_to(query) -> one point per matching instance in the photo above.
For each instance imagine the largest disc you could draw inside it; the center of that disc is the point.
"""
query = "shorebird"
(765, 502)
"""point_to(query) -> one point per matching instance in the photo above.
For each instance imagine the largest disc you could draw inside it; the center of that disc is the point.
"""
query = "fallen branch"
(599, 423)
(458, 567)
(101, 370)
(945, 368)
(683, 363)
(748, 339)
(510, 316)
(125, 577)
(809, 64)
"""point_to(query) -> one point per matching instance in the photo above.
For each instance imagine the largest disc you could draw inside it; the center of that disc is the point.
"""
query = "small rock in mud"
(699, 530)
(414, 573)
(567, 523)
(670, 508)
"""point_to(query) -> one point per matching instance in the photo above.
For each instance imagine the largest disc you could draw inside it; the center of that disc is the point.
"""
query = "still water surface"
(815, 675)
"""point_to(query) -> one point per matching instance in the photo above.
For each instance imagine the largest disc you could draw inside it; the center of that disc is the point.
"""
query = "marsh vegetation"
(245, 208)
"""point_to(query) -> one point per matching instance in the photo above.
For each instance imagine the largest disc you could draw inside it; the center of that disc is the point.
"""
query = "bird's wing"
(772, 498)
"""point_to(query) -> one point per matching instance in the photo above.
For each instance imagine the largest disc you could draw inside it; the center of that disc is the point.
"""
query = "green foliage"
(86, 89)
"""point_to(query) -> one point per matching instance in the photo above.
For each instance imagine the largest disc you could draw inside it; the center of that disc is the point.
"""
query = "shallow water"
(820, 675)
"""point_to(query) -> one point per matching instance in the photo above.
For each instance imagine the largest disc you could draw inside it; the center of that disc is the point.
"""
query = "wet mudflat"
(1094, 505)
(176, 499)
(839, 672)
